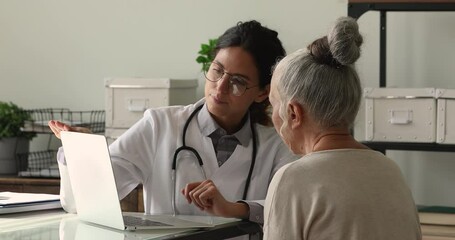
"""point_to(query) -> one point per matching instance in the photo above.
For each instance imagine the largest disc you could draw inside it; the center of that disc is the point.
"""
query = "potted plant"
(13, 140)
(206, 54)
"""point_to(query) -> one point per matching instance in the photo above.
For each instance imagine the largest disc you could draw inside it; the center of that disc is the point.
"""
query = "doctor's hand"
(205, 196)
(57, 127)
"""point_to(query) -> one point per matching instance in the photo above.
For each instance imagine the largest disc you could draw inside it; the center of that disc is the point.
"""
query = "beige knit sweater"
(340, 194)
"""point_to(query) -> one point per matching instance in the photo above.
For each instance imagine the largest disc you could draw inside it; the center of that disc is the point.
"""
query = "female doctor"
(223, 146)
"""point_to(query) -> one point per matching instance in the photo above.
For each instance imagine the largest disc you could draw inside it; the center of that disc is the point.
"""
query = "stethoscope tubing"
(198, 157)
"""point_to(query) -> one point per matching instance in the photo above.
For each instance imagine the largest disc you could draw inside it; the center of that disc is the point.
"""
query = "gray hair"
(322, 78)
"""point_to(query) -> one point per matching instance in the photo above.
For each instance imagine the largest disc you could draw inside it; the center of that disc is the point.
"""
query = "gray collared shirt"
(223, 143)
(224, 146)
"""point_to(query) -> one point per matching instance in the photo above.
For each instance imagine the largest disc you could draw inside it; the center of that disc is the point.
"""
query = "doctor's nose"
(222, 85)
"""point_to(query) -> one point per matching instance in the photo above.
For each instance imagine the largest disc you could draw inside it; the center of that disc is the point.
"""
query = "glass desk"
(57, 224)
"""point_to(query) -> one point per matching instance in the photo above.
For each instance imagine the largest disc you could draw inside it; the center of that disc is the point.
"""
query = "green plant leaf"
(12, 119)
(205, 54)
(202, 59)
(212, 42)
(205, 48)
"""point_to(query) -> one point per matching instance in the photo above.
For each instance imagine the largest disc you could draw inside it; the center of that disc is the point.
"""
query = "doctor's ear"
(296, 114)
(263, 94)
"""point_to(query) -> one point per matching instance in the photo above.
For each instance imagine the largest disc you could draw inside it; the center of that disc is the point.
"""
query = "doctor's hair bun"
(345, 41)
(342, 45)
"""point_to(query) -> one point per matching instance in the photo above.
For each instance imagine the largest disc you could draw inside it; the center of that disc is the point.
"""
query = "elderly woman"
(339, 189)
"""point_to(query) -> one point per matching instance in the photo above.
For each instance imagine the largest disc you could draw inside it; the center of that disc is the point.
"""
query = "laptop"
(95, 192)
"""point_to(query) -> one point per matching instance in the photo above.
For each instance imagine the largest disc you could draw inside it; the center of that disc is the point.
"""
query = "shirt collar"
(207, 125)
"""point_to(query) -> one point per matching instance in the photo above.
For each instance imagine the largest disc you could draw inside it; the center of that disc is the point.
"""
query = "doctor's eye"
(237, 80)
(218, 72)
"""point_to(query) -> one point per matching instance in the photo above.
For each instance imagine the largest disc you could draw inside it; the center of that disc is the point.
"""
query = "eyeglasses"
(237, 83)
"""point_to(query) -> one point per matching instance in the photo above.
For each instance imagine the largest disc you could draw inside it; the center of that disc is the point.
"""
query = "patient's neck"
(335, 139)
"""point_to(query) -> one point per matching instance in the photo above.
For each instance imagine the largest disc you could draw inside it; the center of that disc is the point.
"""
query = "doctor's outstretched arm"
(205, 196)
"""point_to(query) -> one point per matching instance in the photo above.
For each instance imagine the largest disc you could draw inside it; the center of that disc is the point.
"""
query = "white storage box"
(445, 130)
(400, 114)
(128, 98)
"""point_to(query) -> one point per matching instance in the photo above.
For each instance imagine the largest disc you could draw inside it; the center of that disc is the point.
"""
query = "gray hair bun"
(345, 40)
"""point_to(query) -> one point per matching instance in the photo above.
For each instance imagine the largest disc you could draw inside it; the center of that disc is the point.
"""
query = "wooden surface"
(401, 1)
(131, 203)
(29, 185)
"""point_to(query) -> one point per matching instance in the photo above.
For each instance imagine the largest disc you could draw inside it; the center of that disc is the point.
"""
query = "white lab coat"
(144, 154)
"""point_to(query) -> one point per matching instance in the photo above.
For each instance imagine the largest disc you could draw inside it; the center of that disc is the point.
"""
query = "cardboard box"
(128, 98)
(445, 128)
(400, 114)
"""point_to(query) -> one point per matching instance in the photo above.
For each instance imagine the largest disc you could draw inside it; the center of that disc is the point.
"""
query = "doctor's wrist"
(234, 210)
(240, 210)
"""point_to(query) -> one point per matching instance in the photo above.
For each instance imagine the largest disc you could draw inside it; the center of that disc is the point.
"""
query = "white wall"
(56, 53)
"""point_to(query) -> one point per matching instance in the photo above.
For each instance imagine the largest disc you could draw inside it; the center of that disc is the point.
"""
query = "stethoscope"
(199, 159)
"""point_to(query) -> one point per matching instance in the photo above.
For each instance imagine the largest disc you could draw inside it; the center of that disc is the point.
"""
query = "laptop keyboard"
(137, 221)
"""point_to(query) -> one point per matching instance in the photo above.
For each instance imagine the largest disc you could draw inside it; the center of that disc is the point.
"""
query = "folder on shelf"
(12, 202)
(438, 230)
(439, 215)
(436, 209)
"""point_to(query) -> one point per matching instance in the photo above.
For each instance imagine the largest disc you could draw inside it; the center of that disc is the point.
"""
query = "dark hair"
(265, 48)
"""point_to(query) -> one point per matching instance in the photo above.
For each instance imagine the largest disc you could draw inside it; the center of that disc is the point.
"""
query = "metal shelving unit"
(356, 8)
(43, 163)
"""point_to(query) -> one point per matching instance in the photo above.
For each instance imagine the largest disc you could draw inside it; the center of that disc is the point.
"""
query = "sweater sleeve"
(279, 213)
